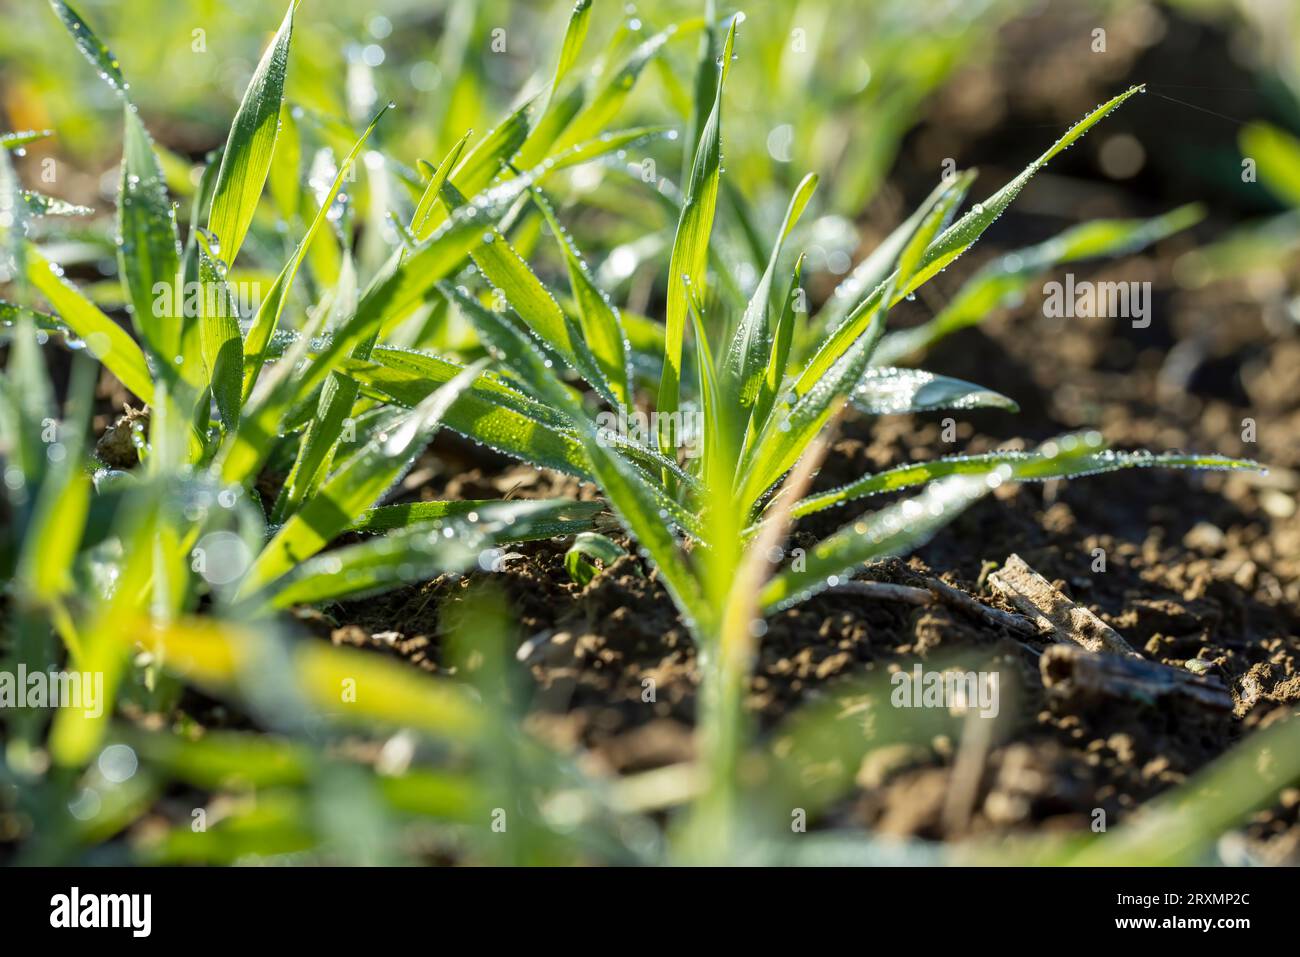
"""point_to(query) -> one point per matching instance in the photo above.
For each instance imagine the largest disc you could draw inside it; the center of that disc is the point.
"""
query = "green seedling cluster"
(408, 298)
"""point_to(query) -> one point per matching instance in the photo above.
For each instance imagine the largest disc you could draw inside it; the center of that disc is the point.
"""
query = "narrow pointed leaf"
(789, 430)
(420, 219)
(508, 271)
(107, 341)
(602, 327)
(751, 347)
(1004, 280)
(884, 390)
(955, 240)
(149, 253)
(779, 359)
(91, 47)
(272, 305)
(689, 260)
(643, 509)
(246, 161)
(354, 487)
(1069, 456)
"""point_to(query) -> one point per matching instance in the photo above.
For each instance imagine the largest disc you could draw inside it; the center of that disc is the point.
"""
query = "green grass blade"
(1068, 456)
(643, 509)
(355, 486)
(575, 35)
(484, 161)
(393, 292)
(420, 224)
(592, 119)
(219, 338)
(778, 360)
(105, 339)
(91, 47)
(602, 327)
(20, 138)
(951, 486)
(876, 267)
(562, 517)
(690, 255)
(319, 443)
(1004, 280)
(148, 246)
(555, 115)
(38, 204)
(750, 349)
(246, 161)
(425, 549)
(1277, 158)
(955, 240)
(791, 428)
(488, 411)
(509, 273)
(272, 305)
(716, 423)
(884, 390)
(148, 254)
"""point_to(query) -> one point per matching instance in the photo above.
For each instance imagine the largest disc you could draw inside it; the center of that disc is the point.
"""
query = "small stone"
(1204, 537)
(1277, 503)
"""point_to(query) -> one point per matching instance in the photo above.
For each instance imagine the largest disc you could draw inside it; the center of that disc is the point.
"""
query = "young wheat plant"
(181, 561)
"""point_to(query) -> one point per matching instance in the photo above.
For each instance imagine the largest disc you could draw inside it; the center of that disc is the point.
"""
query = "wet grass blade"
(790, 428)
(463, 536)
(488, 412)
(246, 161)
(602, 327)
(20, 138)
(148, 253)
(950, 486)
(319, 443)
(483, 162)
(750, 348)
(876, 267)
(778, 360)
(643, 509)
(148, 250)
(1004, 280)
(219, 339)
(592, 118)
(510, 274)
(38, 204)
(272, 305)
(553, 115)
(954, 241)
(394, 291)
(888, 391)
(555, 516)
(106, 340)
(690, 255)
(420, 219)
(91, 47)
(575, 34)
(354, 487)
